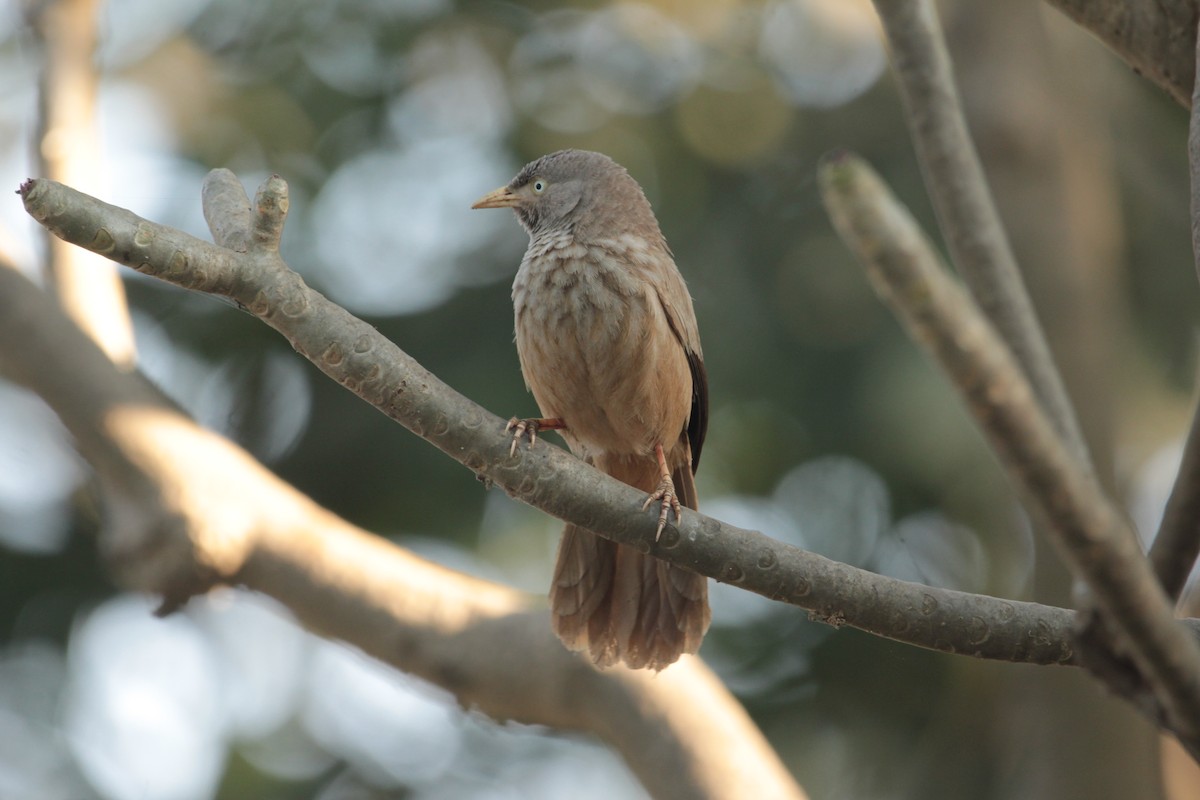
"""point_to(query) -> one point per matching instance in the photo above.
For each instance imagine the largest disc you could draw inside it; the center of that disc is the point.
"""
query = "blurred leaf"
(930, 549)
(841, 505)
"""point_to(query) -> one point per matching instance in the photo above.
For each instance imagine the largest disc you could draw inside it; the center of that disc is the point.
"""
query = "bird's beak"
(501, 198)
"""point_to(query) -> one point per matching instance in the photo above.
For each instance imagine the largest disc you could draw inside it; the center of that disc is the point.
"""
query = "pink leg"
(531, 426)
(665, 492)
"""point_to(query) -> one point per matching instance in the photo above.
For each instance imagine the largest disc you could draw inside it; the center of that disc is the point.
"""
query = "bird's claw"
(519, 428)
(531, 426)
(670, 501)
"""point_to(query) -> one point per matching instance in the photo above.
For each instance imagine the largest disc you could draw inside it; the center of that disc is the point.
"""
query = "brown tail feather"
(617, 604)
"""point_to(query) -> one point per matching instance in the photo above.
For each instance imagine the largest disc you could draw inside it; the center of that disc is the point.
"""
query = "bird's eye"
(539, 186)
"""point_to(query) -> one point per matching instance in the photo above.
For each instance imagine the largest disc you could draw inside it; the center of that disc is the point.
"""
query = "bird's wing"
(677, 305)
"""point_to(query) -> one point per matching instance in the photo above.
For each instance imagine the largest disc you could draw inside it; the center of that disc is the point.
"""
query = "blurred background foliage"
(829, 430)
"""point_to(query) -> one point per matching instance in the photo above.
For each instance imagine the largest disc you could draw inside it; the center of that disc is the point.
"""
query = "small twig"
(966, 212)
(1091, 534)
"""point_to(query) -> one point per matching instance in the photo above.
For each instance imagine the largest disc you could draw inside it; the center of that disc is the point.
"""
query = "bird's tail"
(616, 604)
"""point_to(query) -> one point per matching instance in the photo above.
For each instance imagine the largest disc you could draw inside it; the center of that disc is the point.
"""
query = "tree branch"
(1157, 38)
(356, 355)
(966, 212)
(1091, 534)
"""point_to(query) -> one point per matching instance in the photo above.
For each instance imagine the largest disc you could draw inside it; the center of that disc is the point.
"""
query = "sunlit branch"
(66, 144)
(186, 509)
(1091, 533)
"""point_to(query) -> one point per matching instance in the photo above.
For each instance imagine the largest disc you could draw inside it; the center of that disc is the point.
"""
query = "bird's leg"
(665, 492)
(531, 426)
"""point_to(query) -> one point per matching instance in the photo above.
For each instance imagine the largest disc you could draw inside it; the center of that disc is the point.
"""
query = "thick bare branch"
(1092, 535)
(967, 214)
(357, 356)
(1157, 38)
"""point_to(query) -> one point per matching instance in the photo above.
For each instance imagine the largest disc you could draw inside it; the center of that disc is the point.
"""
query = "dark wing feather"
(697, 427)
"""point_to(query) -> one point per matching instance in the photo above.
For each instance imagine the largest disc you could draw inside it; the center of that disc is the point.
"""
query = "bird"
(609, 346)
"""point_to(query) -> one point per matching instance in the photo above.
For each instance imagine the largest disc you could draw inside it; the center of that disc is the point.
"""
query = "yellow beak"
(501, 198)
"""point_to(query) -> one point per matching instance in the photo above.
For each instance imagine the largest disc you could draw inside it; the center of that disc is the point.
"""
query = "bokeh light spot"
(732, 127)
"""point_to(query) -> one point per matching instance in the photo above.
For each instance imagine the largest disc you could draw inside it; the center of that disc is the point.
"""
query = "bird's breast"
(595, 346)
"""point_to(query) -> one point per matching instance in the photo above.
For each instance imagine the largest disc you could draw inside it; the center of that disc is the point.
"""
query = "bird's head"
(578, 191)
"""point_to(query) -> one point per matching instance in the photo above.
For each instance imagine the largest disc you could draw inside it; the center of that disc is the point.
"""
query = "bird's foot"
(522, 427)
(670, 501)
(665, 492)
